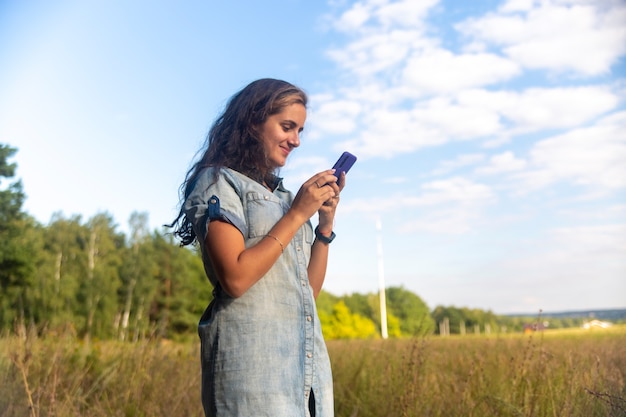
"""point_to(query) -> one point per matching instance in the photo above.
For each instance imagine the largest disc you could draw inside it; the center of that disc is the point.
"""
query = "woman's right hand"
(313, 193)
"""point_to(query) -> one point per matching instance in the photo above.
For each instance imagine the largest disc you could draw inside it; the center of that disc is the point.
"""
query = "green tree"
(139, 283)
(361, 304)
(16, 261)
(183, 289)
(411, 311)
(465, 320)
(453, 315)
(61, 269)
(101, 284)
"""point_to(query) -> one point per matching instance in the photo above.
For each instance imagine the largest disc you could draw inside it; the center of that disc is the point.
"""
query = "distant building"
(596, 324)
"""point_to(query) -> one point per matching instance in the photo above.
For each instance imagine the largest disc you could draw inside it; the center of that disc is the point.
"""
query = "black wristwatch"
(323, 238)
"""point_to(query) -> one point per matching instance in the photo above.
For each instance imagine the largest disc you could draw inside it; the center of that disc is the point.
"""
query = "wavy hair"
(234, 142)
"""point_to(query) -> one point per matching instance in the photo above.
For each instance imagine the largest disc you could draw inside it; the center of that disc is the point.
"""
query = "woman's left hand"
(327, 210)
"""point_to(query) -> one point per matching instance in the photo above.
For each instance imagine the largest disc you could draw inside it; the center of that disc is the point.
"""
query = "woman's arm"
(317, 265)
(239, 268)
(319, 251)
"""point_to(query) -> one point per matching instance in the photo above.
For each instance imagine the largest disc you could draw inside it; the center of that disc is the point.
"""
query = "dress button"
(309, 355)
(266, 197)
(308, 318)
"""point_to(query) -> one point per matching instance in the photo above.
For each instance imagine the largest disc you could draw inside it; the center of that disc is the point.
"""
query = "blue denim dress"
(263, 353)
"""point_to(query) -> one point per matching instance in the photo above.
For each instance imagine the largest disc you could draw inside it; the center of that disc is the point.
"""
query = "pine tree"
(16, 263)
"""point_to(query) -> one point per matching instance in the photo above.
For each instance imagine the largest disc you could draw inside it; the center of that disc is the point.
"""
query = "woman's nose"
(294, 140)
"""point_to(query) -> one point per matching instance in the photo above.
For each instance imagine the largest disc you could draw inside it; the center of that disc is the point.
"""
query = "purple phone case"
(344, 163)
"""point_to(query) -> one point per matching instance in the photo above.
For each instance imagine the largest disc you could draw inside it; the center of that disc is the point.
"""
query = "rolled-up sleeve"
(215, 198)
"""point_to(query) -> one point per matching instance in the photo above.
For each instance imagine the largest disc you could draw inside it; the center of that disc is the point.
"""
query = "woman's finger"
(342, 181)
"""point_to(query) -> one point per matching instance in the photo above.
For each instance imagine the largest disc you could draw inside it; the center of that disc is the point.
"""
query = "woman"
(263, 353)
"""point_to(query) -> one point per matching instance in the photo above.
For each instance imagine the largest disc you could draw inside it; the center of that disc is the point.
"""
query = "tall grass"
(551, 374)
(560, 374)
(60, 376)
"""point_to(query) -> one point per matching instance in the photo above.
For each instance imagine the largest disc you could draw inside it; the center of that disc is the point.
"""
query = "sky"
(490, 135)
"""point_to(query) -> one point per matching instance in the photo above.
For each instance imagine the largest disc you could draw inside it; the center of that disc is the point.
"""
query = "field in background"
(552, 373)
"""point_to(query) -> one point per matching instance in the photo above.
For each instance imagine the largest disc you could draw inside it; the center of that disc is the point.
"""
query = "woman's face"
(280, 133)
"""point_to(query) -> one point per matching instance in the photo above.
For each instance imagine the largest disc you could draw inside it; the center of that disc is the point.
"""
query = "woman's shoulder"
(213, 174)
(224, 176)
(231, 173)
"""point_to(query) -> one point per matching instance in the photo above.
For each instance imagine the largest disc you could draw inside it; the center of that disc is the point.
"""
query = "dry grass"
(566, 373)
(570, 373)
(59, 377)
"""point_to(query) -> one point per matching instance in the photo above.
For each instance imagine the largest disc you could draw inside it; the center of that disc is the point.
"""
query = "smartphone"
(343, 164)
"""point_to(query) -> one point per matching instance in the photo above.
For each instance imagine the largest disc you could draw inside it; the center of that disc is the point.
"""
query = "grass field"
(554, 373)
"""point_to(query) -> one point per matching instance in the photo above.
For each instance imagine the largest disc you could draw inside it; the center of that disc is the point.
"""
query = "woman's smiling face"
(280, 133)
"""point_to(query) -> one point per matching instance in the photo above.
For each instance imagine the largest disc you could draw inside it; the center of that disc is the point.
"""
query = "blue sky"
(490, 134)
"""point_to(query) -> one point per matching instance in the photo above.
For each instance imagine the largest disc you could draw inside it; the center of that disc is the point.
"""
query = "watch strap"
(322, 238)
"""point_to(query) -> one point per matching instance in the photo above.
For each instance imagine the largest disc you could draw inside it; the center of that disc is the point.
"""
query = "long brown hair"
(233, 140)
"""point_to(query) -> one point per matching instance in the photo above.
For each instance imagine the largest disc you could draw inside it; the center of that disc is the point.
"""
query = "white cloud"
(383, 13)
(457, 191)
(416, 91)
(382, 34)
(333, 116)
(591, 156)
(504, 162)
(585, 37)
(407, 13)
(460, 161)
(413, 93)
(353, 18)
(544, 108)
(517, 5)
(441, 71)
(592, 243)
(387, 132)
(456, 121)
(375, 52)
(452, 206)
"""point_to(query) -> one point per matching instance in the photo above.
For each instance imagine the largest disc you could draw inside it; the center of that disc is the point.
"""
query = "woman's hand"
(327, 210)
(318, 193)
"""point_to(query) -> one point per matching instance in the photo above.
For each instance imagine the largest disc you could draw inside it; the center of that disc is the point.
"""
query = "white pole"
(381, 281)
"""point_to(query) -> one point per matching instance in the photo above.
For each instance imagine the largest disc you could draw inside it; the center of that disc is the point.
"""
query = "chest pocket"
(263, 211)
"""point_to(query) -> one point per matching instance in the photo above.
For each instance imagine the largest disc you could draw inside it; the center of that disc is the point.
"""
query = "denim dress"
(263, 353)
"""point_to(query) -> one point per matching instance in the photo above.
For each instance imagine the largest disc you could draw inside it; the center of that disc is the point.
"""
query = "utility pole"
(381, 281)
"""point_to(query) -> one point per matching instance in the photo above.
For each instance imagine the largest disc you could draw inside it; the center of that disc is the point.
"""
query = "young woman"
(263, 353)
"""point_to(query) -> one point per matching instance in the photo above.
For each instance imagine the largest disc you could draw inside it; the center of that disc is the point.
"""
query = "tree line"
(86, 277)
